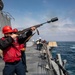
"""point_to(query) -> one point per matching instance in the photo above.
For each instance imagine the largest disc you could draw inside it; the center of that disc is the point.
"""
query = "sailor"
(23, 48)
(39, 44)
(10, 45)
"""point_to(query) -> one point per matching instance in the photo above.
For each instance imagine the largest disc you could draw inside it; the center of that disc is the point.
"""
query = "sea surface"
(67, 51)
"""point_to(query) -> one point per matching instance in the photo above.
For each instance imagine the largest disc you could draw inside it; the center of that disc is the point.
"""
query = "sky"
(26, 13)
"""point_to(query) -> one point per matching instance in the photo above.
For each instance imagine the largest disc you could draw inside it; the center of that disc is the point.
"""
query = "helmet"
(15, 30)
(7, 29)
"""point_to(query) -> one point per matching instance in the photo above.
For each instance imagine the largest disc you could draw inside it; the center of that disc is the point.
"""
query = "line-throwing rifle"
(25, 30)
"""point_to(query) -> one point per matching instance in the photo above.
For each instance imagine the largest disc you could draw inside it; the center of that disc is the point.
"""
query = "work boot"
(26, 71)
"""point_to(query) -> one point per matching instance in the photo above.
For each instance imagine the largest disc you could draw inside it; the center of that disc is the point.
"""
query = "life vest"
(22, 47)
(13, 52)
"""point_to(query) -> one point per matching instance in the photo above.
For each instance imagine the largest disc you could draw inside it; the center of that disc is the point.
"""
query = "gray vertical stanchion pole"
(60, 62)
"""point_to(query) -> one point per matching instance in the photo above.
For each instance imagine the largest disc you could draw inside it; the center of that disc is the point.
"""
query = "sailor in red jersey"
(10, 45)
(23, 48)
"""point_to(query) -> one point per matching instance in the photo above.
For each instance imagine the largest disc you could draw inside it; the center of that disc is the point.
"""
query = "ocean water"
(67, 51)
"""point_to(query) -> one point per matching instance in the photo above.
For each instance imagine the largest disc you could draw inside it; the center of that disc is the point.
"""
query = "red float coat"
(12, 48)
(12, 53)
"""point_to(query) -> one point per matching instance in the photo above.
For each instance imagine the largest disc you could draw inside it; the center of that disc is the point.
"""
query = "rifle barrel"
(24, 30)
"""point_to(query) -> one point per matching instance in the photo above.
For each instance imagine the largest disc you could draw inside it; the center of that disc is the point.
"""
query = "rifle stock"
(36, 26)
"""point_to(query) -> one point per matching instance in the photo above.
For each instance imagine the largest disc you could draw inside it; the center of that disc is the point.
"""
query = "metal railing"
(51, 66)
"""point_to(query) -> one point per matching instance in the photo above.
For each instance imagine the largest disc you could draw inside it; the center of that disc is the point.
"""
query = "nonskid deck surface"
(1, 65)
(33, 60)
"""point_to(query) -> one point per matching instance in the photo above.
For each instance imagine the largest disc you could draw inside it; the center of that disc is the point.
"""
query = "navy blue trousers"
(39, 46)
(24, 59)
(11, 69)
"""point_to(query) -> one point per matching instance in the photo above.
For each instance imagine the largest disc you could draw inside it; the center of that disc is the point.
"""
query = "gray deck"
(1, 66)
(32, 56)
(32, 62)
